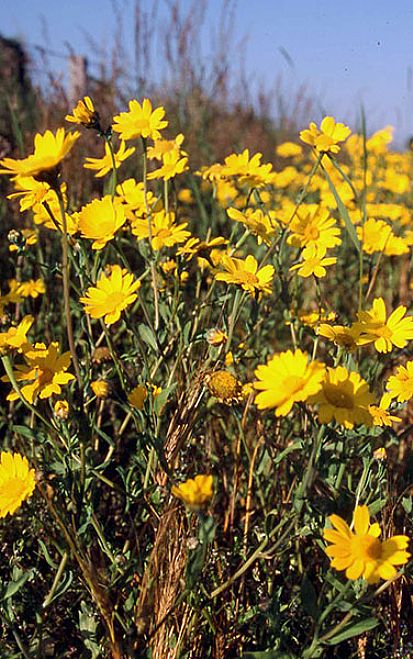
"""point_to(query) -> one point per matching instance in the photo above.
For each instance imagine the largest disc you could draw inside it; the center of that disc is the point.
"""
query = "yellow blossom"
(17, 482)
(100, 220)
(373, 326)
(84, 114)
(137, 396)
(104, 165)
(245, 273)
(49, 151)
(140, 121)
(195, 492)
(325, 139)
(111, 295)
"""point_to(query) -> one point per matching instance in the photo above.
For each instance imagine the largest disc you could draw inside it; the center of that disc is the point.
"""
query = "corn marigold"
(224, 386)
(100, 220)
(326, 138)
(137, 396)
(165, 233)
(314, 262)
(49, 151)
(245, 273)
(287, 378)
(16, 337)
(375, 327)
(104, 165)
(345, 397)
(380, 413)
(140, 121)
(400, 385)
(360, 552)
(313, 225)
(172, 164)
(84, 113)
(111, 295)
(195, 492)
(17, 482)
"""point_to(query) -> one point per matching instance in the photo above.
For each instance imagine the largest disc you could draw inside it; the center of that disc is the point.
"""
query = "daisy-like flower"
(16, 337)
(248, 171)
(49, 151)
(161, 147)
(140, 121)
(100, 388)
(245, 273)
(314, 262)
(400, 386)
(224, 386)
(194, 246)
(313, 225)
(172, 164)
(262, 225)
(100, 220)
(137, 396)
(314, 318)
(104, 165)
(165, 233)
(132, 195)
(195, 492)
(287, 378)
(31, 288)
(29, 190)
(45, 370)
(17, 482)
(360, 552)
(373, 235)
(216, 337)
(345, 397)
(112, 294)
(326, 138)
(380, 413)
(61, 409)
(84, 114)
(384, 332)
(344, 337)
(289, 150)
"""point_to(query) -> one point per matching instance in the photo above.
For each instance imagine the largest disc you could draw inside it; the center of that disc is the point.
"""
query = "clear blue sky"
(346, 53)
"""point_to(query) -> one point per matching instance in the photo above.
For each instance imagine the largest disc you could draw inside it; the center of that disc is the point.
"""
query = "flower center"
(292, 384)
(366, 547)
(115, 300)
(247, 278)
(337, 397)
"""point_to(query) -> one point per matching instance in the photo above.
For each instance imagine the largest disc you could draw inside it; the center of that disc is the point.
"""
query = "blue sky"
(345, 53)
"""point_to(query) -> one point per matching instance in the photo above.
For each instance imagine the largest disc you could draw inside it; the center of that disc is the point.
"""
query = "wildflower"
(61, 409)
(245, 273)
(140, 121)
(380, 413)
(400, 386)
(100, 219)
(17, 482)
(344, 337)
(313, 318)
(161, 147)
(385, 333)
(137, 396)
(165, 233)
(313, 225)
(314, 262)
(374, 235)
(49, 151)
(29, 190)
(31, 288)
(112, 294)
(216, 337)
(84, 114)
(195, 246)
(229, 358)
(101, 354)
(361, 553)
(16, 337)
(45, 369)
(172, 164)
(100, 388)
(132, 195)
(380, 454)
(224, 386)
(325, 139)
(262, 225)
(289, 150)
(104, 165)
(345, 397)
(248, 171)
(287, 378)
(195, 492)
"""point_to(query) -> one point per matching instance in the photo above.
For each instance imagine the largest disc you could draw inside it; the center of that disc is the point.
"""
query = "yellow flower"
(132, 194)
(248, 171)
(165, 233)
(84, 114)
(161, 147)
(32, 288)
(100, 388)
(361, 553)
(61, 409)
(138, 396)
(314, 262)
(385, 333)
(112, 294)
(140, 121)
(314, 318)
(172, 164)
(224, 386)
(195, 492)
(313, 225)
(400, 385)
(325, 139)
(345, 337)
(100, 219)
(31, 191)
(17, 482)
(216, 337)
(380, 413)
(49, 151)
(16, 337)
(104, 165)
(289, 150)
(245, 273)
(44, 369)
(345, 397)
(287, 378)
(374, 235)
(263, 225)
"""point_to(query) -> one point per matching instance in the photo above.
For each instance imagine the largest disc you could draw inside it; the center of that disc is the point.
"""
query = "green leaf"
(14, 586)
(351, 230)
(148, 336)
(407, 504)
(161, 399)
(309, 598)
(25, 431)
(296, 446)
(355, 630)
